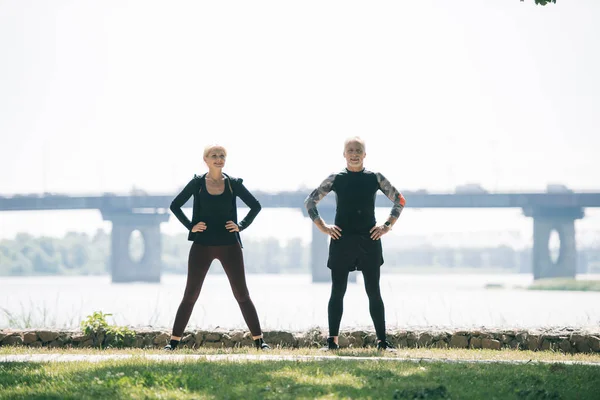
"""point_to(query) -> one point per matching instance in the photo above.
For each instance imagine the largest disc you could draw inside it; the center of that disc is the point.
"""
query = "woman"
(214, 231)
(355, 243)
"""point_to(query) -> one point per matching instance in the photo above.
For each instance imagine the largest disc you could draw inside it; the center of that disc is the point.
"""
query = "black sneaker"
(261, 345)
(384, 345)
(172, 345)
(331, 345)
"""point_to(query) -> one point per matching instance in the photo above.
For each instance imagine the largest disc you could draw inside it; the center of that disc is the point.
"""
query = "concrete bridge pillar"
(123, 268)
(319, 248)
(545, 221)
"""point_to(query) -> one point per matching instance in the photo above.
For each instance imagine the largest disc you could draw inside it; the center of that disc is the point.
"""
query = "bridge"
(549, 211)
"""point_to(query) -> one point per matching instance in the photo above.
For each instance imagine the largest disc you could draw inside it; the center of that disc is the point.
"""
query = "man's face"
(354, 153)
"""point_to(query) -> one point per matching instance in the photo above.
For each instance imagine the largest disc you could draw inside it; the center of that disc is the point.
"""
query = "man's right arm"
(316, 196)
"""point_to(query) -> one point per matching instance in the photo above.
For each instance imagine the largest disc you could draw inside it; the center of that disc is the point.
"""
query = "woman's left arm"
(250, 201)
(394, 195)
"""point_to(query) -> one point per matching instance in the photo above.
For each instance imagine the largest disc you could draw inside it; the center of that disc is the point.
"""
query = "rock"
(129, 341)
(13, 340)
(580, 342)
(594, 342)
(199, 338)
(360, 338)
(546, 345)
(400, 334)
(533, 342)
(343, 341)
(352, 342)
(411, 339)
(425, 339)
(459, 341)
(64, 337)
(370, 339)
(226, 340)
(30, 337)
(48, 336)
(187, 339)
(583, 347)
(565, 340)
(80, 338)
(280, 338)
(522, 337)
(212, 337)
(138, 342)
(492, 344)
(437, 336)
(565, 345)
(506, 339)
(475, 343)
(161, 339)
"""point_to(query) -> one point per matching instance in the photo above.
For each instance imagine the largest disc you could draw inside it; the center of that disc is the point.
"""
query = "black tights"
(339, 283)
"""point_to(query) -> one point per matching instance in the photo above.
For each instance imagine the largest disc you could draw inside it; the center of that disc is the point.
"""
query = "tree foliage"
(543, 2)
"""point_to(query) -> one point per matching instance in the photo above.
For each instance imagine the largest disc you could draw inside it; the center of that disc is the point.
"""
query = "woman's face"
(354, 153)
(215, 158)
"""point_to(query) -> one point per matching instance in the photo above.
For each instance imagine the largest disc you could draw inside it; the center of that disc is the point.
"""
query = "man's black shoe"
(384, 345)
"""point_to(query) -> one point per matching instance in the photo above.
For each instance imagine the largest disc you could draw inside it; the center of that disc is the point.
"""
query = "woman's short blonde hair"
(211, 147)
(355, 139)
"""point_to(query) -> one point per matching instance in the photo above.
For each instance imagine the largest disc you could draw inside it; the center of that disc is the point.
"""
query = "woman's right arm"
(180, 200)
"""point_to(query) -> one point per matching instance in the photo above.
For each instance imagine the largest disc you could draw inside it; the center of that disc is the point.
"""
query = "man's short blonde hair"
(355, 139)
(212, 147)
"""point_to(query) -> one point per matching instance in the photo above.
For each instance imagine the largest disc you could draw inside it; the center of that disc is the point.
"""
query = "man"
(355, 243)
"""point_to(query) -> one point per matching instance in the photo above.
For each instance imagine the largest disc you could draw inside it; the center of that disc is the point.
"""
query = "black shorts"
(355, 252)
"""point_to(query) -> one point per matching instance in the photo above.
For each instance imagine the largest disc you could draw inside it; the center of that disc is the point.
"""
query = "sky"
(104, 96)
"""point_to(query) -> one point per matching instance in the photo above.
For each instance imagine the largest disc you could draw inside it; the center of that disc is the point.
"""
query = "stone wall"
(563, 340)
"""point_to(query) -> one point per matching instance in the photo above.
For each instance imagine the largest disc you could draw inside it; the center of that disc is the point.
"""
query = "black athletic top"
(355, 199)
(215, 210)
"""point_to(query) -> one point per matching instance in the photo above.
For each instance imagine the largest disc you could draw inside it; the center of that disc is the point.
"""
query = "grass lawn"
(140, 378)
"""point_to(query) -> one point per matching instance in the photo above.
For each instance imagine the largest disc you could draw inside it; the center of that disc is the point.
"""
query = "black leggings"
(339, 283)
(233, 263)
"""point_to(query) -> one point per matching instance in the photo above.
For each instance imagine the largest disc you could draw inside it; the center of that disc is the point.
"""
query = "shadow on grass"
(290, 380)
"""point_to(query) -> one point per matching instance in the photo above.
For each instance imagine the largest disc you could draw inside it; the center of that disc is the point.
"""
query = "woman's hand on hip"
(232, 226)
(199, 227)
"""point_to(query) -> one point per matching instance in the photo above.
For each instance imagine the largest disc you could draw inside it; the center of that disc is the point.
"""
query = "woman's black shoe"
(261, 345)
(331, 345)
(172, 345)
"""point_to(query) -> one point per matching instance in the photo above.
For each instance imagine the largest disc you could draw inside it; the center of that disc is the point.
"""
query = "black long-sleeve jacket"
(197, 184)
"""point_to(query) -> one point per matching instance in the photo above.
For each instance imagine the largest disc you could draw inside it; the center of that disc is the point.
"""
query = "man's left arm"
(395, 196)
